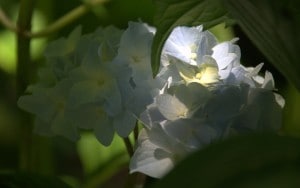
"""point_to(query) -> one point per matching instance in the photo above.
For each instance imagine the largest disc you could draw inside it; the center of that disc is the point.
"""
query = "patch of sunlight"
(291, 118)
(222, 32)
(38, 45)
(8, 43)
(93, 154)
(7, 51)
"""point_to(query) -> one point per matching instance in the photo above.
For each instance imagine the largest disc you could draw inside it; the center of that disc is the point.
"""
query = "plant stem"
(54, 27)
(6, 21)
(66, 19)
(136, 131)
(23, 75)
(136, 180)
(128, 145)
(140, 180)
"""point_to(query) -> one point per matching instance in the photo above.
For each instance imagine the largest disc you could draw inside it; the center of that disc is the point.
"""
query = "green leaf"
(274, 27)
(261, 160)
(28, 180)
(172, 13)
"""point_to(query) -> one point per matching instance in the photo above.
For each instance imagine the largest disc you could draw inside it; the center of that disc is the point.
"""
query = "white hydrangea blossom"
(103, 82)
(197, 56)
(208, 96)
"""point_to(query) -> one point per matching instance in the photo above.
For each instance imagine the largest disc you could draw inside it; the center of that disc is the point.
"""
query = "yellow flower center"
(205, 75)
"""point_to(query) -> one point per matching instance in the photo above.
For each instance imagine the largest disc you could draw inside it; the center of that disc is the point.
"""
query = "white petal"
(280, 100)
(269, 82)
(171, 107)
(151, 116)
(150, 159)
(183, 42)
(226, 53)
(254, 71)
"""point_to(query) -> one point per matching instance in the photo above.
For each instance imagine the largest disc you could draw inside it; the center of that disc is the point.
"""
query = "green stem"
(6, 21)
(66, 19)
(140, 180)
(128, 145)
(23, 75)
(54, 27)
(136, 180)
(136, 131)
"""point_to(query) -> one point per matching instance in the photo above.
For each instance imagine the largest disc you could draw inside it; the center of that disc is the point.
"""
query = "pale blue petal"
(151, 116)
(223, 107)
(124, 123)
(183, 42)
(44, 102)
(192, 95)
(104, 131)
(240, 77)
(136, 54)
(61, 126)
(170, 71)
(166, 142)
(140, 99)
(38, 104)
(206, 42)
(87, 116)
(112, 103)
(225, 74)
(226, 53)
(85, 92)
(261, 114)
(194, 134)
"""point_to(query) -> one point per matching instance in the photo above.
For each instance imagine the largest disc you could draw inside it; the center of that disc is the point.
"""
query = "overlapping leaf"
(249, 161)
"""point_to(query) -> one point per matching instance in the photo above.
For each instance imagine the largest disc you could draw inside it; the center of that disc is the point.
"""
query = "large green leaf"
(252, 161)
(172, 13)
(274, 27)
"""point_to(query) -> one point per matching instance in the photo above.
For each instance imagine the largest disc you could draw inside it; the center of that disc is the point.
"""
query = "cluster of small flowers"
(97, 82)
(103, 82)
(208, 96)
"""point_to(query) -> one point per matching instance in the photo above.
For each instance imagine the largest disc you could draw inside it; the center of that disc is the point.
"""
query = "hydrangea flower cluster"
(91, 82)
(103, 82)
(208, 96)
